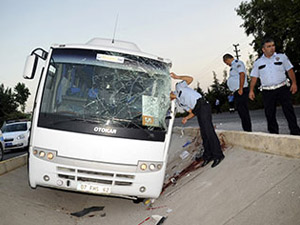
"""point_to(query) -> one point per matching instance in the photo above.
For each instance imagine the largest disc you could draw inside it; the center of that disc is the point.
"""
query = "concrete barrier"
(13, 163)
(283, 145)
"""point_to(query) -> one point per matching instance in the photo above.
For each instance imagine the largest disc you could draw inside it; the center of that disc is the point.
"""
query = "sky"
(193, 34)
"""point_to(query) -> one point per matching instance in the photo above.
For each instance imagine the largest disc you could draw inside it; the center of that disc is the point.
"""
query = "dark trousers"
(241, 104)
(231, 105)
(283, 96)
(211, 143)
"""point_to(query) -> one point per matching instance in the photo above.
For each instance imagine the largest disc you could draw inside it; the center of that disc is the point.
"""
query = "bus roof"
(114, 46)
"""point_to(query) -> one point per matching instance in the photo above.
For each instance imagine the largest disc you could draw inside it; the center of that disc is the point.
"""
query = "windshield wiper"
(151, 135)
(77, 119)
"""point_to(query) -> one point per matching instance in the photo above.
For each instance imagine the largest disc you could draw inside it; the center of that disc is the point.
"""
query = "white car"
(1, 146)
(16, 135)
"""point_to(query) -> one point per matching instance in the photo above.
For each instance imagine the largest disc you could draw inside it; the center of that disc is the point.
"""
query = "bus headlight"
(152, 167)
(50, 155)
(44, 154)
(144, 166)
(159, 166)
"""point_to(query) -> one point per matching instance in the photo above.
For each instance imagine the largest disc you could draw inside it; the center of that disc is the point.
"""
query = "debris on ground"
(157, 207)
(148, 202)
(153, 220)
(186, 144)
(184, 155)
(188, 158)
(87, 210)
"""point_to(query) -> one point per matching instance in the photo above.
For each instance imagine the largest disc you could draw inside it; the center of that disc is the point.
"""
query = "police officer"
(192, 102)
(271, 69)
(237, 83)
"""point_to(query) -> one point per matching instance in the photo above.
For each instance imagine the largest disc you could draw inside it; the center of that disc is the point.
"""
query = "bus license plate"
(94, 188)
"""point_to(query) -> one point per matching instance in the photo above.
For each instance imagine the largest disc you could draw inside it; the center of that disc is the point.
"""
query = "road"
(13, 153)
(227, 121)
(248, 188)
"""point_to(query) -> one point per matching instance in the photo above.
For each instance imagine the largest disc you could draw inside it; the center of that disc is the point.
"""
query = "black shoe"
(205, 162)
(198, 159)
(217, 161)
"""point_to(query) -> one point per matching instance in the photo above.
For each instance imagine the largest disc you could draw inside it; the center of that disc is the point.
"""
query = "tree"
(277, 19)
(218, 91)
(9, 102)
(22, 94)
(198, 89)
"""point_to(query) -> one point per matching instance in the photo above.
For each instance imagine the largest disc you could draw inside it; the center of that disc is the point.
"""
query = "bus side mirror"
(30, 66)
(32, 62)
(168, 117)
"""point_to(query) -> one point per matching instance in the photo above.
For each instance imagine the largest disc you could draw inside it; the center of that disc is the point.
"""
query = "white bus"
(102, 119)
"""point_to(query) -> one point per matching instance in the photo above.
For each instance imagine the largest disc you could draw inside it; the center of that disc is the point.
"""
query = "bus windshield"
(107, 89)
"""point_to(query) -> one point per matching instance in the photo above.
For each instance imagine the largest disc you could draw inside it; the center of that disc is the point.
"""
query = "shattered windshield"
(107, 88)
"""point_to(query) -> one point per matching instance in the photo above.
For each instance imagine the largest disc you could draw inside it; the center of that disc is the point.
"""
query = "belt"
(202, 100)
(273, 87)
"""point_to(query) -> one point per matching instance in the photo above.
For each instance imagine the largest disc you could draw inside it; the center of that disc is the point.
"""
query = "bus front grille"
(100, 177)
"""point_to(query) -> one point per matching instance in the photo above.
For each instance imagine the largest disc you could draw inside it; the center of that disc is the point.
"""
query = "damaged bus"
(102, 119)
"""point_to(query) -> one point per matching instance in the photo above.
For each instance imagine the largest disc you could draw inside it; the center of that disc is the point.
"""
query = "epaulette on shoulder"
(179, 82)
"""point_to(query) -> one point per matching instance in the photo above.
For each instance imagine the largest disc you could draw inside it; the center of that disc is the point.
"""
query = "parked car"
(16, 134)
(1, 146)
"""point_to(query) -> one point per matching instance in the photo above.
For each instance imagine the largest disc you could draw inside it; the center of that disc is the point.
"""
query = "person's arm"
(252, 85)
(242, 81)
(189, 116)
(292, 76)
(187, 79)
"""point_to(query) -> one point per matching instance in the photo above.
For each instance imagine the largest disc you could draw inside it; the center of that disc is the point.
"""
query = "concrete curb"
(283, 145)
(13, 163)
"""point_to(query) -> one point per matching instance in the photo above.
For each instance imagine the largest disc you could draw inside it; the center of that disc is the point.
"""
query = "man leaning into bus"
(192, 102)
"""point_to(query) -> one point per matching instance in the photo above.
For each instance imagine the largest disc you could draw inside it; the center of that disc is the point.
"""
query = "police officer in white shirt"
(271, 69)
(237, 83)
(192, 102)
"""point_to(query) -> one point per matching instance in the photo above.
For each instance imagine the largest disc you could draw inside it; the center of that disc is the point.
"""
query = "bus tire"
(138, 200)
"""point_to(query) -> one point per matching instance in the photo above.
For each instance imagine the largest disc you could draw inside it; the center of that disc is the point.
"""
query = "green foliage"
(218, 91)
(276, 19)
(7, 101)
(10, 101)
(199, 90)
(22, 94)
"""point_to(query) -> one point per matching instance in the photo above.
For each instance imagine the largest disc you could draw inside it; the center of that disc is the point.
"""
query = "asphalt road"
(13, 153)
(231, 121)
(247, 188)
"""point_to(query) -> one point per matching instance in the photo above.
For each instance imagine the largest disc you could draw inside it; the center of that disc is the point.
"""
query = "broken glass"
(108, 88)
